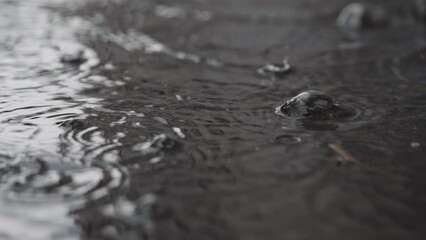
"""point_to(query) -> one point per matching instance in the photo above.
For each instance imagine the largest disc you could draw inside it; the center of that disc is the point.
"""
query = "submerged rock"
(313, 105)
(358, 16)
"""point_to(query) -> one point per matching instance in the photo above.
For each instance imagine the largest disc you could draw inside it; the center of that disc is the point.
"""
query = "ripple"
(351, 114)
(41, 181)
(130, 218)
(50, 155)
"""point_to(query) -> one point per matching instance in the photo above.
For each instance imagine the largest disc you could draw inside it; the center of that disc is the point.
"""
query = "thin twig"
(348, 157)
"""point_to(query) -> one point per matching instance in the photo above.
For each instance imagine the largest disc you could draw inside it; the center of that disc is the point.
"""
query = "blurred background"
(202, 119)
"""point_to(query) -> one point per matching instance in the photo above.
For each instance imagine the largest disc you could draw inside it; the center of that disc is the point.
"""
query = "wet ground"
(169, 119)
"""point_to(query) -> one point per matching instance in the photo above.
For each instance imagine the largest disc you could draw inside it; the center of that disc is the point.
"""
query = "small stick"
(348, 157)
(345, 155)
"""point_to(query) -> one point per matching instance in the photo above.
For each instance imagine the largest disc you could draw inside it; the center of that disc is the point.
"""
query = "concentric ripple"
(49, 155)
(41, 181)
(351, 113)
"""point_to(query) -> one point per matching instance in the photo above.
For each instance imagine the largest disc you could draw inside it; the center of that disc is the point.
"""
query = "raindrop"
(179, 97)
(275, 70)
(178, 132)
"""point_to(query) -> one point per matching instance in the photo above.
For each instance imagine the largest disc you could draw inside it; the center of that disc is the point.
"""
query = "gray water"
(155, 120)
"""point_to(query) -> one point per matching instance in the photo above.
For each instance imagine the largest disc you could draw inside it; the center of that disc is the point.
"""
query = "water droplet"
(178, 132)
(313, 105)
(275, 70)
(179, 97)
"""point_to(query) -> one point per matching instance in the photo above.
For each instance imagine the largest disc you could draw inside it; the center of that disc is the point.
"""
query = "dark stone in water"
(358, 16)
(313, 105)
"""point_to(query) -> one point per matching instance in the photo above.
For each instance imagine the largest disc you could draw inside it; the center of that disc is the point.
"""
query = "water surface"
(147, 120)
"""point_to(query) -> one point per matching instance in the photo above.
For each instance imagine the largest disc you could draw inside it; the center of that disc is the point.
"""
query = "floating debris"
(342, 153)
(415, 144)
(358, 15)
(275, 70)
(348, 157)
(313, 105)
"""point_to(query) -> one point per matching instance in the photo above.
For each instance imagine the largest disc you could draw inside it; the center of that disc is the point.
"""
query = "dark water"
(156, 120)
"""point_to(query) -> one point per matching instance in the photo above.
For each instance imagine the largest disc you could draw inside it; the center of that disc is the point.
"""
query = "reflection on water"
(43, 69)
(162, 126)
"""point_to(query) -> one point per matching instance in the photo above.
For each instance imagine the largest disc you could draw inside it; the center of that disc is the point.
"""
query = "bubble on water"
(313, 105)
(179, 97)
(358, 15)
(178, 132)
(275, 70)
